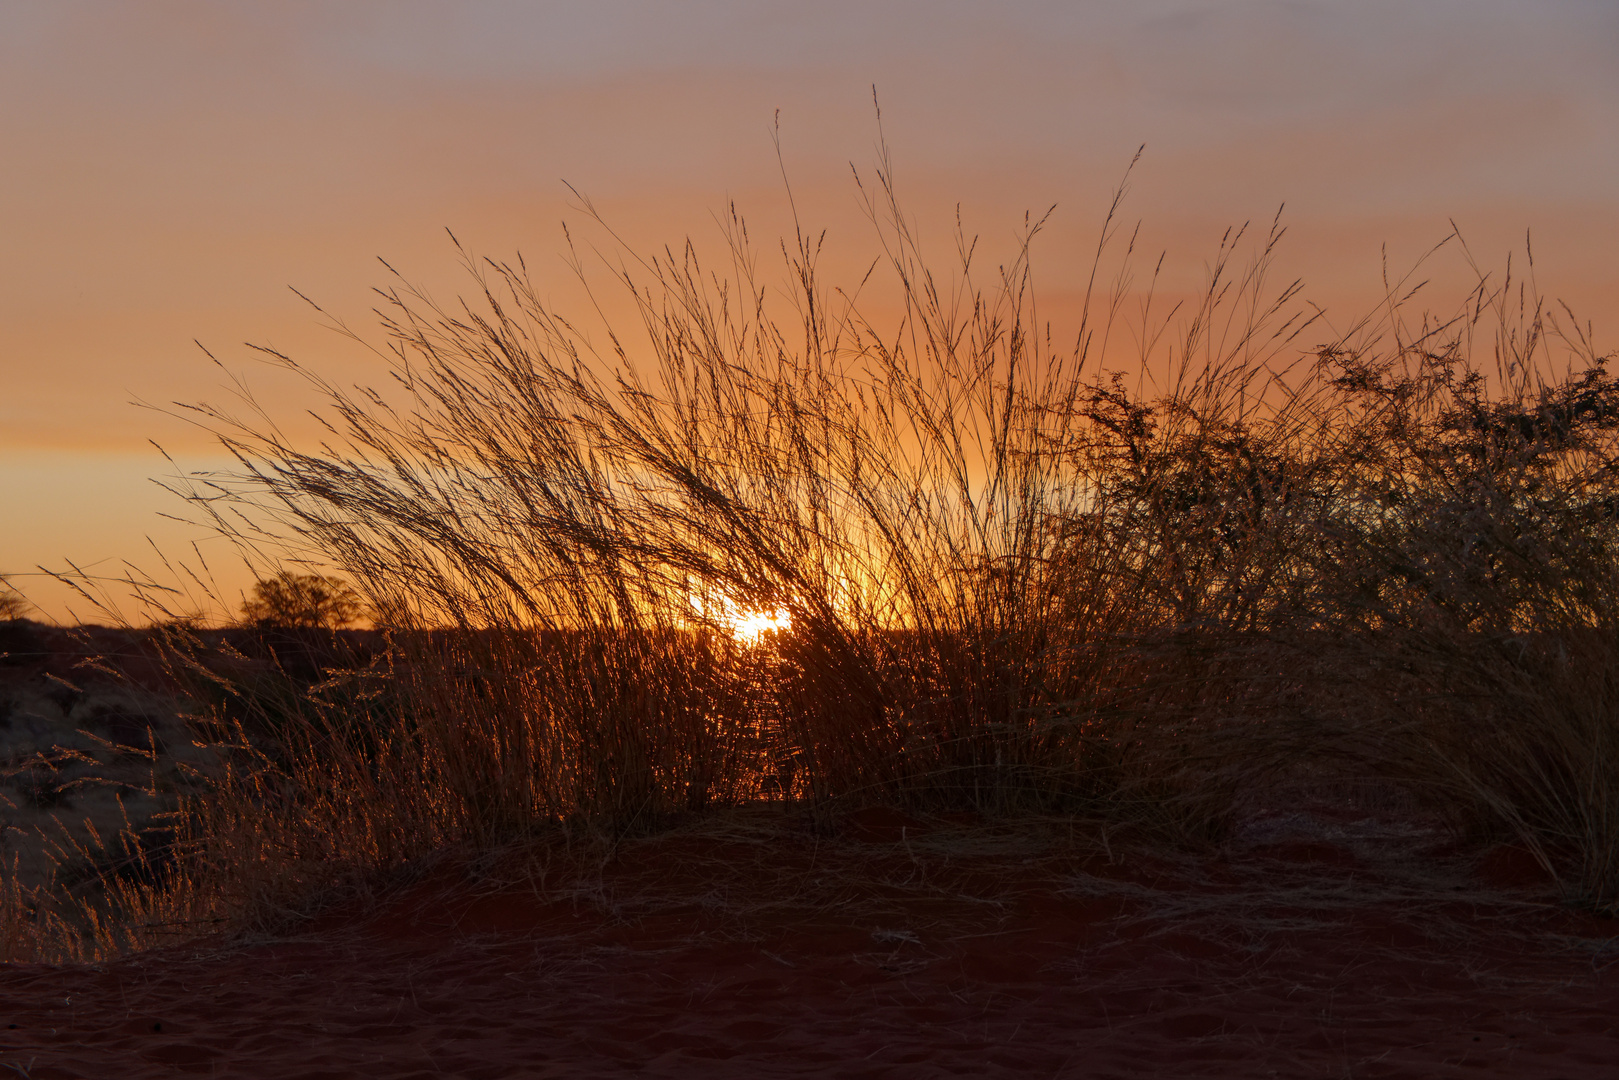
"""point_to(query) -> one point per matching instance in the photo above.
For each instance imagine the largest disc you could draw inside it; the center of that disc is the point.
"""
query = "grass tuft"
(1008, 582)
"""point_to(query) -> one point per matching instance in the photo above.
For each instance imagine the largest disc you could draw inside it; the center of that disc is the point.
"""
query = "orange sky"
(169, 168)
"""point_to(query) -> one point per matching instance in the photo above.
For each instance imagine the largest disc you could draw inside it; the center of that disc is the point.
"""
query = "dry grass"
(1015, 584)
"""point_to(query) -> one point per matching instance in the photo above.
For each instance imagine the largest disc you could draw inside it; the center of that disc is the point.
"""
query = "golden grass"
(1015, 584)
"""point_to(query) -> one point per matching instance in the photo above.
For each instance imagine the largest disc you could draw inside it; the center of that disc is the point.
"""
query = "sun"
(749, 626)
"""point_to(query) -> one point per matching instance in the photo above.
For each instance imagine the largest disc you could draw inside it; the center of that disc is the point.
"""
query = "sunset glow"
(749, 626)
(172, 169)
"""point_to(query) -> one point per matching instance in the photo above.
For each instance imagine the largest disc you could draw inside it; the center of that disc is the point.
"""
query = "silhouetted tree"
(303, 600)
(12, 604)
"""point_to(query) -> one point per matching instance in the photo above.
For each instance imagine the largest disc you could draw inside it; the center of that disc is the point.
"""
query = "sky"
(171, 170)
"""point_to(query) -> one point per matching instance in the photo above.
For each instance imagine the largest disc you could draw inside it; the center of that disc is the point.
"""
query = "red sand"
(1312, 948)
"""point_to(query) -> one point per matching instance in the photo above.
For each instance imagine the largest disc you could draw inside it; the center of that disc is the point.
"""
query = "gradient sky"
(167, 169)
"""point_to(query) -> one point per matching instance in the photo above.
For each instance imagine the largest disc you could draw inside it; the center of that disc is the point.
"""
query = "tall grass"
(1014, 580)
(972, 535)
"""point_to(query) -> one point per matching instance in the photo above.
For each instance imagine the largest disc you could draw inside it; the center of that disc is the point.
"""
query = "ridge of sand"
(1318, 942)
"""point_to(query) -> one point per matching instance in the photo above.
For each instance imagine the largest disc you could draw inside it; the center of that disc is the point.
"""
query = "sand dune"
(1327, 942)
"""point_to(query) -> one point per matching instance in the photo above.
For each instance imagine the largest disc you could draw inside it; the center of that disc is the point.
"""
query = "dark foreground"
(1326, 943)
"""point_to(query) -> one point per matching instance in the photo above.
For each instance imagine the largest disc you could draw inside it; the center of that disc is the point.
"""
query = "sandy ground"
(1329, 938)
(1321, 942)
